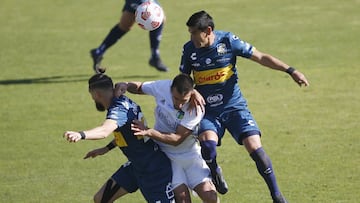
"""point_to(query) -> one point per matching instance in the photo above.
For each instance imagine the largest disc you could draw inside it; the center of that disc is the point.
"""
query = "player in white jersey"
(175, 123)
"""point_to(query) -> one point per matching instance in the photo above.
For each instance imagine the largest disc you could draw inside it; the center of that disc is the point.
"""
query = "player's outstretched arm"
(169, 138)
(298, 77)
(97, 133)
(96, 152)
(101, 151)
(132, 87)
(276, 64)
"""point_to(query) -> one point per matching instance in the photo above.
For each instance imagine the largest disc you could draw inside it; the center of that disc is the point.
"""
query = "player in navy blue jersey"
(120, 29)
(148, 168)
(211, 57)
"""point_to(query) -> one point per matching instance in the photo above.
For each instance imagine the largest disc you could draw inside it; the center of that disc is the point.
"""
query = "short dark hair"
(183, 84)
(100, 81)
(201, 21)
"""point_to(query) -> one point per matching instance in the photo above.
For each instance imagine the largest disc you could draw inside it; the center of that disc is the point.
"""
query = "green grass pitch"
(311, 134)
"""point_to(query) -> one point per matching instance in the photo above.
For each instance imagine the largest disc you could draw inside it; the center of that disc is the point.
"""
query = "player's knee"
(252, 143)
(125, 27)
(208, 149)
(207, 192)
(182, 194)
(210, 197)
(182, 197)
(127, 20)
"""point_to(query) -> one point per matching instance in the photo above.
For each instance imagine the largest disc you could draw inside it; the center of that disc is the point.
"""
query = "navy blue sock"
(114, 35)
(208, 152)
(264, 166)
(155, 38)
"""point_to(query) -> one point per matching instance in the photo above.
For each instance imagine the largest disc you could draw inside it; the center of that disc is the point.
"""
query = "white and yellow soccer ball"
(149, 15)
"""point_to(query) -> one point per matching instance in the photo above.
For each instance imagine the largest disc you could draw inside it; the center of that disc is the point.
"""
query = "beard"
(99, 106)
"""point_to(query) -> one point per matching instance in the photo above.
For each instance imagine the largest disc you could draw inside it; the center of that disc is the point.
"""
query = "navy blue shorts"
(240, 123)
(155, 185)
(131, 5)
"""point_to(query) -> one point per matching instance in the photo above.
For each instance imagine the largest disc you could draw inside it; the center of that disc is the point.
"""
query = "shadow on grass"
(69, 79)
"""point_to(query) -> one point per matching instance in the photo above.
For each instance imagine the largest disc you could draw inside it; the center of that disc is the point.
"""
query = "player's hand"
(96, 152)
(139, 128)
(72, 136)
(299, 78)
(120, 89)
(196, 100)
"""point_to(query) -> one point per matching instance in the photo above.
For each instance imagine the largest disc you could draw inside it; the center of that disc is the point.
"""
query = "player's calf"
(106, 192)
(207, 192)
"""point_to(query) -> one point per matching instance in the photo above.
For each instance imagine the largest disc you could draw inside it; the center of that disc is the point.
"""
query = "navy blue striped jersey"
(214, 70)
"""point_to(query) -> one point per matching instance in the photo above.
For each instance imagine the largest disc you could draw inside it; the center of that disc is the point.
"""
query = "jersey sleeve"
(156, 88)
(185, 66)
(240, 47)
(192, 118)
(118, 113)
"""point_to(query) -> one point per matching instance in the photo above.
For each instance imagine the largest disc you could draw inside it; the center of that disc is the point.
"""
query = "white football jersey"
(167, 118)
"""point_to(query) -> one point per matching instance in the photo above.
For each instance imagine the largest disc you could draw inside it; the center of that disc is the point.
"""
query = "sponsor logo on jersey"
(180, 114)
(221, 49)
(208, 61)
(196, 64)
(215, 100)
(193, 56)
(223, 60)
(251, 123)
(213, 76)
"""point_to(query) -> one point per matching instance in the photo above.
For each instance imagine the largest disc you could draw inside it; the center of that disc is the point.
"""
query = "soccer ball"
(149, 15)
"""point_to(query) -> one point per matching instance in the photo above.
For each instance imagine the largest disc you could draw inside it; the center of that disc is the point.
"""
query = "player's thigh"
(131, 5)
(155, 185)
(241, 125)
(211, 128)
(127, 20)
(179, 176)
(125, 177)
(196, 170)
(207, 192)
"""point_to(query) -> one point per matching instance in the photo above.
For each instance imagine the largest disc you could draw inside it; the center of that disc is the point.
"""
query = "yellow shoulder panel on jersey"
(213, 76)
(120, 140)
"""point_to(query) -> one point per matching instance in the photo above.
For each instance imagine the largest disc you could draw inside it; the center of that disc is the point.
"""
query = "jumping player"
(211, 57)
(148, 168)
(119, 30)
(173, 130)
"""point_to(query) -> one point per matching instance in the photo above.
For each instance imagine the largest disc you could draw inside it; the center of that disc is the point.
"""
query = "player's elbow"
(177, 141)
(104, 134)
